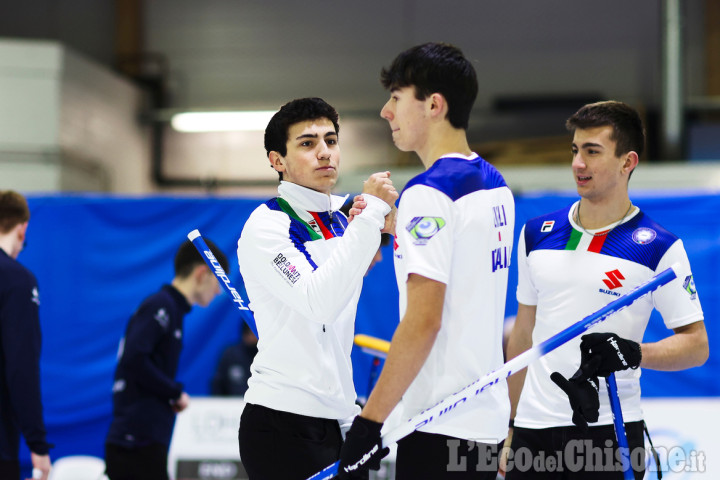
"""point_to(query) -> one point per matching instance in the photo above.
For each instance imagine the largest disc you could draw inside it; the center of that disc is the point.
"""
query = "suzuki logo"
(615, 276)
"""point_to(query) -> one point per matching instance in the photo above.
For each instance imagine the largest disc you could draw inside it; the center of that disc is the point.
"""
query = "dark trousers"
(276, 445)
(426, 455)
(141, 463)
(570, 453)
(9, 470)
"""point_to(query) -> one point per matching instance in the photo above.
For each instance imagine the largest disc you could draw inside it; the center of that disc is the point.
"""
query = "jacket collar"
(310, 200)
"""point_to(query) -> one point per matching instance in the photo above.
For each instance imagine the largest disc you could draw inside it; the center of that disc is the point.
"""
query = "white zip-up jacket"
(303, 268)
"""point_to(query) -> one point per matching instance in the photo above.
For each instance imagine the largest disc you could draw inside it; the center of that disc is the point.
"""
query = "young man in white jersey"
(571, 263)
(303, 268)
(454, 238)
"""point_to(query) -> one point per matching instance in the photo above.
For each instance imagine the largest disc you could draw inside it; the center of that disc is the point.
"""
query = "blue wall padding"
(96, 257)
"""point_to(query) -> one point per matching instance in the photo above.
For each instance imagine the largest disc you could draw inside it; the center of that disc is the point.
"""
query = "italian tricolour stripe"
(586, 241)
(326, 233)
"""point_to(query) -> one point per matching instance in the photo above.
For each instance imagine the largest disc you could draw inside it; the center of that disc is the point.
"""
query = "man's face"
(598, 172)
(313, 155)
(207, 289)
(407, 117)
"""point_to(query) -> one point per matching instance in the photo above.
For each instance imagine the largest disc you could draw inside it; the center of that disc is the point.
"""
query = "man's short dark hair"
(628, 132)
(296, 111)
(436, 68)
(14, 210)
(188, 257)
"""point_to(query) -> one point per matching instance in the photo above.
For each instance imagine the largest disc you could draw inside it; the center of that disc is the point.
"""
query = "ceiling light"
(221, 121)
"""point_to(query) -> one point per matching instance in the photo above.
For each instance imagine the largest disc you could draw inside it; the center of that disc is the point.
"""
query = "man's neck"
(442, 141)
(597, 214)
(186, 287)
(7, 244)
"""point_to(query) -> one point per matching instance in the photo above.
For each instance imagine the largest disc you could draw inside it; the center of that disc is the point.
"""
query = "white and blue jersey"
(455, 225)
(569, 273)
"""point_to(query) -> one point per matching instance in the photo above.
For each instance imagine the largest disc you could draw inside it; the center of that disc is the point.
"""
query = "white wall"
(100, 124)
(29, 94)
(29, 114)
(67, 123)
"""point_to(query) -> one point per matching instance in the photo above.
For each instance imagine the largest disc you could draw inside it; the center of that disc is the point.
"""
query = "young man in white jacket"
(303, 266)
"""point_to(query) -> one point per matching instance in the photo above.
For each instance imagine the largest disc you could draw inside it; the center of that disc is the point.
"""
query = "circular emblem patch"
(427, 228)
(643, 235)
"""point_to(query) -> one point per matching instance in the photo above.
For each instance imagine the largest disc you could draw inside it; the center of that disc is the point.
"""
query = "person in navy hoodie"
(21, 409)
(146, 395)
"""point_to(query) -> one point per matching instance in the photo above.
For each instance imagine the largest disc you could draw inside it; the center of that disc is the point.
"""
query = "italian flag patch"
(586, 242)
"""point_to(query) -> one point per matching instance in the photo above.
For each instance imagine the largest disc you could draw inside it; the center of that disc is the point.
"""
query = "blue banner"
(97, 257)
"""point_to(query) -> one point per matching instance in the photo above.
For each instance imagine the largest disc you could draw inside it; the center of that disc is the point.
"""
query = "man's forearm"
(410, 346)
(409, 349)
(687, 348)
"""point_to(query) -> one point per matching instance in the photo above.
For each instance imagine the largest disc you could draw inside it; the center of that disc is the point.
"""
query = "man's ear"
(438, 105)
(22, 230)
(631, 161)
(199, 272)
(276, 161)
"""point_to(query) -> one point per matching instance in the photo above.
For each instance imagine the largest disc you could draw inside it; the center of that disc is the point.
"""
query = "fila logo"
(615, 276)
(313, 224)
(547, 226)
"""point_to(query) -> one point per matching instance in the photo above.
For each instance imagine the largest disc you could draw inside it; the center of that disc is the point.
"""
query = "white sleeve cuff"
(375, 211)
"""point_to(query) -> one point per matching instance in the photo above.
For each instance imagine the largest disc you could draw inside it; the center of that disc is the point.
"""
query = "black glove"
(362, 449)
(614, 354)
(583, 395)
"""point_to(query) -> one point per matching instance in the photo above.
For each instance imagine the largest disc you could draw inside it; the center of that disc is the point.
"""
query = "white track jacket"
(303, 268)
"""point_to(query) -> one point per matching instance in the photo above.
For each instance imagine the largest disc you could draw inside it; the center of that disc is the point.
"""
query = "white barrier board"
(683, 430)
(205, 441)
(685, 433)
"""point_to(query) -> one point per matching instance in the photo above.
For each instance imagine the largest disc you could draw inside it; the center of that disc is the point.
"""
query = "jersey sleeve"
(678, 301)
(526, 292)
(425, 227)
(144, 331)
(21, 338)
(267, 255)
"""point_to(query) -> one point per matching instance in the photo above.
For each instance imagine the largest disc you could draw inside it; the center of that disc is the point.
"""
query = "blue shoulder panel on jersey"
(548, 232)
(298, 232)
(457, 177)
(640, 240)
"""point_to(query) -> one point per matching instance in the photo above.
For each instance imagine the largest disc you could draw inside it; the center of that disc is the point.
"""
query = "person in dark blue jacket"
(233, 369)
(146, 395)
(21, 409)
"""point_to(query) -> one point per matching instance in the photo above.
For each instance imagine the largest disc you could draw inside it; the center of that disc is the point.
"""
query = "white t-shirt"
(569, 274)
(455, 225)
